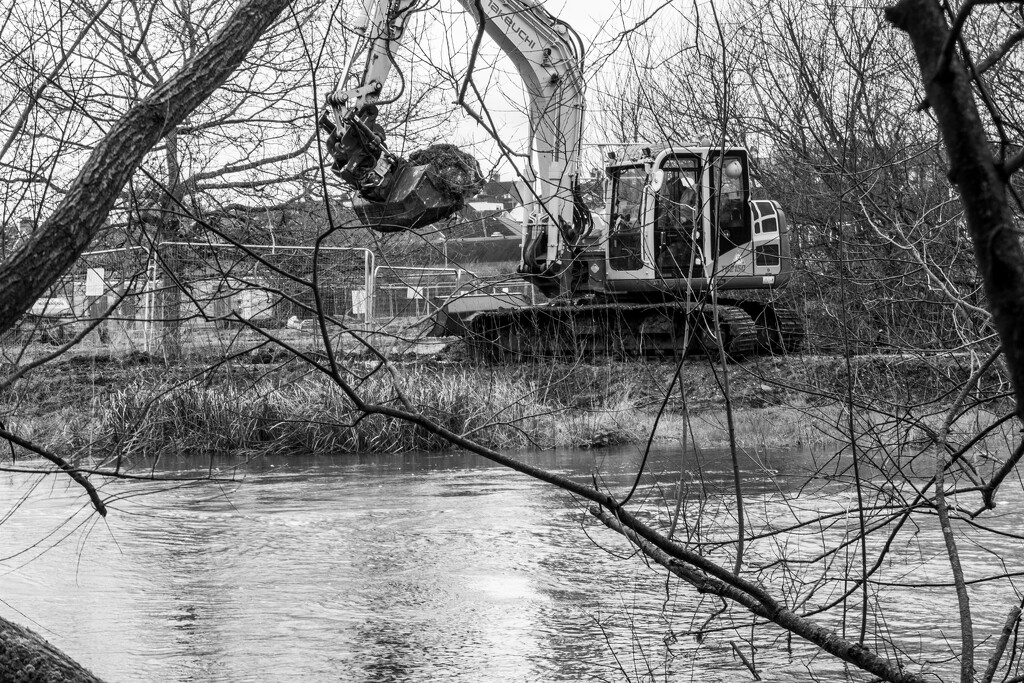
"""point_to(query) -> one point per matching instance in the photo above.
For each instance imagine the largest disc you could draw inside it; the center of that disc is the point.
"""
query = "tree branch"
(827, 640)
(1013, 164)
(1004, 637)
(63, 464)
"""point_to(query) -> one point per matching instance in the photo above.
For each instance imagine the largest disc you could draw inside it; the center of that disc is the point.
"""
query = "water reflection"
(410, 567)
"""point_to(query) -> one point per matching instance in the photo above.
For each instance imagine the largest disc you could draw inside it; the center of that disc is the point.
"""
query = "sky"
(598, 22)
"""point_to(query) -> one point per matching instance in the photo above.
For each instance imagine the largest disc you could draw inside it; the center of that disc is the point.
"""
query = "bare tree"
(814, 573)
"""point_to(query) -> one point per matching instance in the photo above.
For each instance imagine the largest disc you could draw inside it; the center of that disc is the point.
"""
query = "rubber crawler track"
(624, 330)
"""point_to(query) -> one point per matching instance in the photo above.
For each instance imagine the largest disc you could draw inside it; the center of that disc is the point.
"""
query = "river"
(415, 567)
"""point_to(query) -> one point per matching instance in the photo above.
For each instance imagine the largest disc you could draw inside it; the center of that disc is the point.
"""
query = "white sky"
(598, 22)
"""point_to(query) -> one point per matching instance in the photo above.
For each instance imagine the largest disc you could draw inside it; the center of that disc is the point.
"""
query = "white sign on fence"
(94, 285)
(359, 302)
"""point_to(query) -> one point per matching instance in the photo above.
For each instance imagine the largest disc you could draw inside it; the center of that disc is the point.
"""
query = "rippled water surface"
(376, 568)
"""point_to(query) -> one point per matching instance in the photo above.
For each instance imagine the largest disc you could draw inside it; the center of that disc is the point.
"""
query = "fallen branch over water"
(685, 564)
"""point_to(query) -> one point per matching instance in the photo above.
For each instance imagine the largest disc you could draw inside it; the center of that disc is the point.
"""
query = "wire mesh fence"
(109, 285)
(265, 285)
(206, 295)
(411, 292)
(200, 294)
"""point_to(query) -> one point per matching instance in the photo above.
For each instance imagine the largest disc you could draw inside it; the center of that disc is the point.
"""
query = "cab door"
(630, 245)
(678, 220)
(730, 231)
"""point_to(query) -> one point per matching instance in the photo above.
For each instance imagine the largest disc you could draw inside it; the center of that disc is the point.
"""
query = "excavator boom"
(396, 194)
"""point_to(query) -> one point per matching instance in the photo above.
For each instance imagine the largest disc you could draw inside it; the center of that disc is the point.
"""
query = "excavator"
(686, 260)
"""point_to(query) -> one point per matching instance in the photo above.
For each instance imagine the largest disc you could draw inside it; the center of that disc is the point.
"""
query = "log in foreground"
(27, 658)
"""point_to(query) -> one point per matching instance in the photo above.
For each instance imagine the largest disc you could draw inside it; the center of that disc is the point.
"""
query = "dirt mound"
(457, 174)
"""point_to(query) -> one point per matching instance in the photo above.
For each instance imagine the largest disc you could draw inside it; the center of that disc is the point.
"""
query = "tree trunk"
(62, 238)
(976, 173)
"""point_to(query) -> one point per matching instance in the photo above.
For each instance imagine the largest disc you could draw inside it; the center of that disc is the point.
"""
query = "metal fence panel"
(193, 290)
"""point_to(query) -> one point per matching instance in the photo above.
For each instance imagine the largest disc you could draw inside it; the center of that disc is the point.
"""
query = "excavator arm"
(399, 195)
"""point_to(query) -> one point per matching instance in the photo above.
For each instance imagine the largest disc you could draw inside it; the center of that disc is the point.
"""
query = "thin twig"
(746, 662)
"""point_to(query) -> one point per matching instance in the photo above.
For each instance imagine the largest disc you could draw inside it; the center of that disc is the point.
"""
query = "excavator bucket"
(412, 200)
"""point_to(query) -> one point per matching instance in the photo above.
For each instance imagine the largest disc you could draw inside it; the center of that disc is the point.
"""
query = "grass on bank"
(111, 411)
(506, 411)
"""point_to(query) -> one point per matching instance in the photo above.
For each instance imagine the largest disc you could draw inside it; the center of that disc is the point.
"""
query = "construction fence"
(206, 293)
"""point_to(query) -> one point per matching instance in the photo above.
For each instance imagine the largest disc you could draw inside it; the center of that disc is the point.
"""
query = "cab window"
(729, 203)
(677, 235)
(625, 251)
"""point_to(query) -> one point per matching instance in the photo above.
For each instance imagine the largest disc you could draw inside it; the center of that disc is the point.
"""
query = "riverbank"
(141, 408)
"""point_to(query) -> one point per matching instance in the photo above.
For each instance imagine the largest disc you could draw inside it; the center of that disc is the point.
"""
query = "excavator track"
(616, 330)
(740, 338)
(790, 327)
(780, 330)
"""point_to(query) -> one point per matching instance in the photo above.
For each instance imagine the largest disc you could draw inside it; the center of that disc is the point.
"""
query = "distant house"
(506, 193)
(487, 207)
(501, 225)
(501, 192)
(472, 223)
(482, 233)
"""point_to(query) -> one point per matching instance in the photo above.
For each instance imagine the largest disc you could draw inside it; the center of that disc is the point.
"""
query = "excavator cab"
(682, 220)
